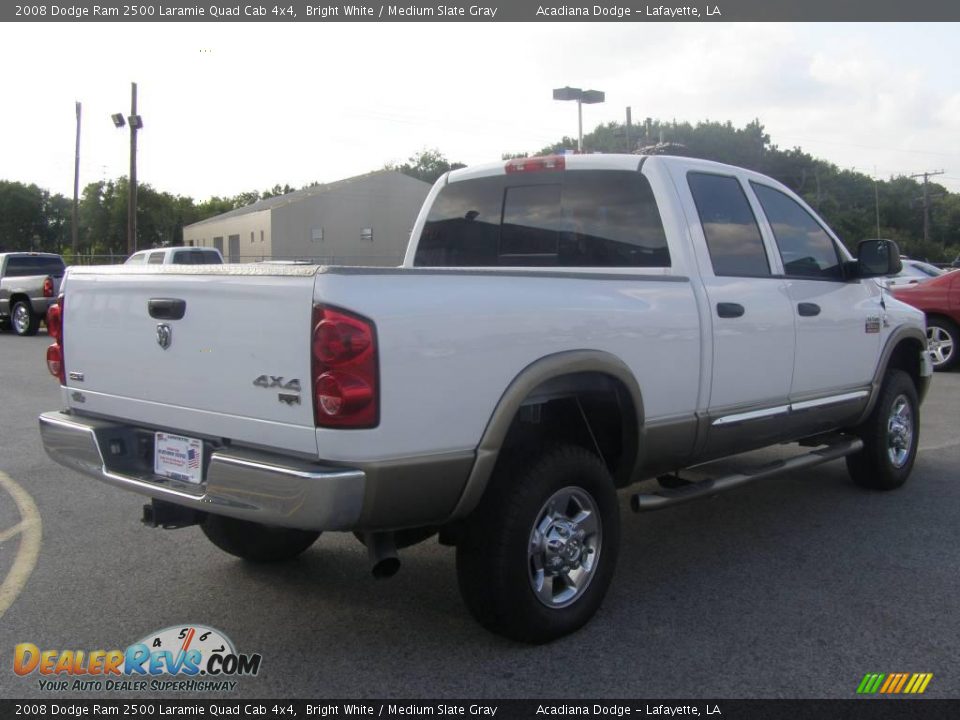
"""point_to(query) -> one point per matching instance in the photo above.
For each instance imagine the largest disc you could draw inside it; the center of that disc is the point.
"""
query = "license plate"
(178, 457)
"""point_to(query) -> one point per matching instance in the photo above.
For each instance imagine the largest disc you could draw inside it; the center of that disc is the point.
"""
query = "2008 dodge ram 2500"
(561, 327)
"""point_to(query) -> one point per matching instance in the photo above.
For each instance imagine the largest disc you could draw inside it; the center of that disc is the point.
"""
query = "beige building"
(364, 220)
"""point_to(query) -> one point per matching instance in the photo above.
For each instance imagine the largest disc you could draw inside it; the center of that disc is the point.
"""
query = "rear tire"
(890, 436)
(255, 542)
(538, 553)
(943, 338)
(23, 319)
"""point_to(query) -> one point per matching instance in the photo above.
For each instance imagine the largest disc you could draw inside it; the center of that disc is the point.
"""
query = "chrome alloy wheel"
(21, 318)
(940, 345)
(564, 547)
(900, 431)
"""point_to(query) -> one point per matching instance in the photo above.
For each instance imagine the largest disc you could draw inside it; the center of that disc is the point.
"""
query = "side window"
(463, 227)
(156, 258)
(733, 236)
(17, 267)
(805, 247)
(136, 259)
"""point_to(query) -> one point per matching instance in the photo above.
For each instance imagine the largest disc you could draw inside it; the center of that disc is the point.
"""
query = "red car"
(939, 298)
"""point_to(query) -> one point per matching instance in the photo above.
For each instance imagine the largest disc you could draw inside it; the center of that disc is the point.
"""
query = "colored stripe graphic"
(894, 683)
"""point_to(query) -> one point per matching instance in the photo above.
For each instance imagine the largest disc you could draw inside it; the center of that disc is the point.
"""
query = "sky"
(234, 107)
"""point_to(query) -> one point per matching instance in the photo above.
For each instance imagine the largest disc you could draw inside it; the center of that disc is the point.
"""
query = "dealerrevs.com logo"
(185, 658)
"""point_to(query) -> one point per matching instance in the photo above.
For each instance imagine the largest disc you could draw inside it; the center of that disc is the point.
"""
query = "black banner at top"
(482, 11)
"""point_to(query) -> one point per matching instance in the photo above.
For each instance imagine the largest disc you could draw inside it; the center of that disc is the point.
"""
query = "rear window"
(196, 257)
(569, 219)
(26, 265)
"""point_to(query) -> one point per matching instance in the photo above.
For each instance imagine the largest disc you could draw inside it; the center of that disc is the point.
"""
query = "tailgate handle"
(167, 308)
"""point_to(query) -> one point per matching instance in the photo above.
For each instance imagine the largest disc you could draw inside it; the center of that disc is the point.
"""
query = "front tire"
(255, 542)
(538, 553)
(23, 319)
(943, 341)
(890, 436)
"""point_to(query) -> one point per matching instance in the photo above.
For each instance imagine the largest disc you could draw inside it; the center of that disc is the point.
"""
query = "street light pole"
(136, 123)
(132, 195)
(588, 97)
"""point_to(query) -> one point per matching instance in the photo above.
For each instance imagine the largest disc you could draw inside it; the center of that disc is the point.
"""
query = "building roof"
(280, 200)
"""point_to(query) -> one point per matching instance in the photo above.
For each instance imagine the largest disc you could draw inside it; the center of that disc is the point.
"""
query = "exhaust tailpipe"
(382, 551)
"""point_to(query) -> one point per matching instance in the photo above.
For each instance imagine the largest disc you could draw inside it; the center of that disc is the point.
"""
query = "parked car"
(29, 283)
(561, 327)
(913, 272)
(939, 298)
(176, 256)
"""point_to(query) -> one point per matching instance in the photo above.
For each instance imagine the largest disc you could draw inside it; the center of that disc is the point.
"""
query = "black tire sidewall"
(32, 326)
(255, 542)
(873, 468)
(511, 607)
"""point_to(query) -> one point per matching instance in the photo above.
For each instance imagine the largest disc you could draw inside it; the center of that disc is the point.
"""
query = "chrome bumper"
(240, 483)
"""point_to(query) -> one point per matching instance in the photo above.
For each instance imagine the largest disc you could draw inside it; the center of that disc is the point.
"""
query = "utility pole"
(927, 197)
(74, 229)
(629, 147)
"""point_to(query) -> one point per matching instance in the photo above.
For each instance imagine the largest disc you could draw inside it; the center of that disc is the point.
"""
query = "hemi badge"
(78, 376)
(873, 325)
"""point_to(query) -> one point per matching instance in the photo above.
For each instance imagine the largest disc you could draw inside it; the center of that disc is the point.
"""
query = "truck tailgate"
(236, 364)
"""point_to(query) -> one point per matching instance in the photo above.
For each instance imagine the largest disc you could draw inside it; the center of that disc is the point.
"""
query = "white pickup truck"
(561, 327)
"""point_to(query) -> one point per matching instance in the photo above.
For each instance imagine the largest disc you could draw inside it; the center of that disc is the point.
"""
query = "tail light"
(536, 164)
(55, 363)
(48, 287)
(345, 383)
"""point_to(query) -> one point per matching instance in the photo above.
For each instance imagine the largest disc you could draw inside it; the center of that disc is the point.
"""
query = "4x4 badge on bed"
(275, 381)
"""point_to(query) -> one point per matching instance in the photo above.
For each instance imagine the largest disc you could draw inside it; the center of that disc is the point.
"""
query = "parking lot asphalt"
(789, 588)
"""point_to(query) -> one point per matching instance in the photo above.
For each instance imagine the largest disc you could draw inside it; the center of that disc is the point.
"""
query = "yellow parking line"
(11, 532)
(30, 530)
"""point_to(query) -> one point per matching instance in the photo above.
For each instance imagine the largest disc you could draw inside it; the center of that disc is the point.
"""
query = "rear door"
(750, 313)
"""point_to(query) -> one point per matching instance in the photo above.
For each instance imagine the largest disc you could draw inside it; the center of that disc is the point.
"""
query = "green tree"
(426, 165)
(23, 216)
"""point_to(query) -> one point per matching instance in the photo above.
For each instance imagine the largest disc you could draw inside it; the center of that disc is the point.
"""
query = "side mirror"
(878, 257)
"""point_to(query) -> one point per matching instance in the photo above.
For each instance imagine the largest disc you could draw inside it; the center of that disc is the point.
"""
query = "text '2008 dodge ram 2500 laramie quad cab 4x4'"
(561, 327)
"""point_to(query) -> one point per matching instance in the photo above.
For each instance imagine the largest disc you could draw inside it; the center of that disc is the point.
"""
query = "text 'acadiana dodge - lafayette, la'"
(561, 327)
(622, 11)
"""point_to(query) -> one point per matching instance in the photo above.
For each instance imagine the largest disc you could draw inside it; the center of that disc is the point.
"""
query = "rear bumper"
(246, 484)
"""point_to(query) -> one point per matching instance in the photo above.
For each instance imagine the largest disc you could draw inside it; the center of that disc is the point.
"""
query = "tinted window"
(195, 257)
(805, 247)
(733, 236)
(26, 265)
(530, 234)
(156, 258)
(571, 219)
(463, 228)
